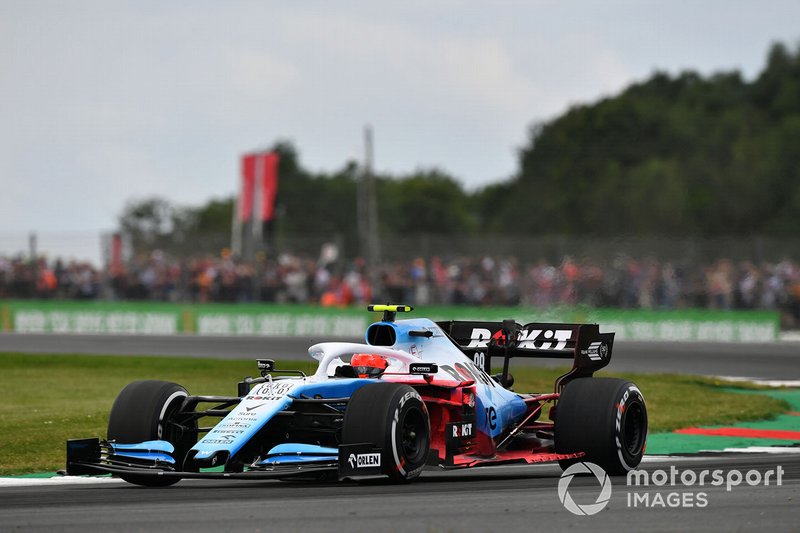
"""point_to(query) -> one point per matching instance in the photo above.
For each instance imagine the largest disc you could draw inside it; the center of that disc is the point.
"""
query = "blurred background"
(630, 156)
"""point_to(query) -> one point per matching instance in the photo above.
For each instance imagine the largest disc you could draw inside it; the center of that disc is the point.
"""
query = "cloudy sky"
(104, 101)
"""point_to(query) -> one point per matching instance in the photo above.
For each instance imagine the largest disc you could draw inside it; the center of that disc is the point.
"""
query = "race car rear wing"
(589, 349)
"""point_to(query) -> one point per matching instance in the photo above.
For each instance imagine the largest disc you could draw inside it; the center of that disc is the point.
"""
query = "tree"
(672, 155)
(428, 201)
(147, 221)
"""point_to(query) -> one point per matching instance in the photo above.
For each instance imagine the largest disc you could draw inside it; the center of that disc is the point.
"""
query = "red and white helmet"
(368, 365)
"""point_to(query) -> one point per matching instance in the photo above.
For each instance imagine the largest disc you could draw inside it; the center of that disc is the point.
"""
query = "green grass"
(675, 401)
(50, 398)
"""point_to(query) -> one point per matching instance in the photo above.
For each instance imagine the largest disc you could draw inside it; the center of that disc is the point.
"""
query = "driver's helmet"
(368, 365)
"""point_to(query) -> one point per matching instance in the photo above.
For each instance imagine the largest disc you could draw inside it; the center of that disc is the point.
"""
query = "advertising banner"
(280, 320)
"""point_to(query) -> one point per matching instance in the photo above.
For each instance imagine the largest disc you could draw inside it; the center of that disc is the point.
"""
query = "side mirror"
(265, 366)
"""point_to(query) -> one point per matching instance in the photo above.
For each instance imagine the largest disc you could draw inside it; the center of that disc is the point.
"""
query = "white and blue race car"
(416, 395)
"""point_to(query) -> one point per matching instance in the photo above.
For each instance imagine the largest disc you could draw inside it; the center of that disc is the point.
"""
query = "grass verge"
(50, 398)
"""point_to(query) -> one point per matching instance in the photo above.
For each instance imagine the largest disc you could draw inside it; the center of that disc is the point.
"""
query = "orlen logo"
(534, 339)
(364, 460)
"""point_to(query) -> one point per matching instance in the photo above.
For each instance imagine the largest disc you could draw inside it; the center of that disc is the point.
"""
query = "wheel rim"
(414, 436)
(633, 428)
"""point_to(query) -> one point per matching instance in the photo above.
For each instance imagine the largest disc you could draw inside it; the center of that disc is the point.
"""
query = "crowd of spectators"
(625, 282)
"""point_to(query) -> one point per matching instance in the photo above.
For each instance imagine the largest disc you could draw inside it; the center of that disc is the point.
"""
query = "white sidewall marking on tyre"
(407, 396)
(174, 395)
(628, 395)
(394, 442)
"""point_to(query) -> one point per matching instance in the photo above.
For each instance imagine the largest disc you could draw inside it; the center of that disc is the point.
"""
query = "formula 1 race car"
(417, 395)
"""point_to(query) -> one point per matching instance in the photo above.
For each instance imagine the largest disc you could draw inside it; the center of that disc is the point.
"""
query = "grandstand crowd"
(624, 283)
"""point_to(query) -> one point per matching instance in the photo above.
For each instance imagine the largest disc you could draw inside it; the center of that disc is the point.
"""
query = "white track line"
(765, 449)
(670, 458)
(760, 381)
(790, 336)
(54, 481)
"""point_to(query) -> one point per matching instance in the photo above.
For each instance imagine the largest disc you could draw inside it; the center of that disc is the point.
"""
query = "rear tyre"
(604, 417)
(145, 410)
(392, 417)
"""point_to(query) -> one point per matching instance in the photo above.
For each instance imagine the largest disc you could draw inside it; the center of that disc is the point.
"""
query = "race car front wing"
(95, 456)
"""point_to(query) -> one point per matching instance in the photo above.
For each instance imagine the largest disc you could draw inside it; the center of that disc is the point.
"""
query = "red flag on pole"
(269, 186)
(248, 187)
(115, 264)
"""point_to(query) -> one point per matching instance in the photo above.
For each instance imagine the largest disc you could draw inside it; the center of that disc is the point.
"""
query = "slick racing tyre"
(604, 417)
(145, 410)
(392, 417)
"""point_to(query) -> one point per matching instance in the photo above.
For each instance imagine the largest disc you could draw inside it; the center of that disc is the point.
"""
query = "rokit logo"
(533, 339)
(364, 460)
(461, 431)
(479, 338)
(529, 339)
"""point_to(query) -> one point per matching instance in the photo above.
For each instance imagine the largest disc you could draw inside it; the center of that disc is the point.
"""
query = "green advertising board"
(282, 320)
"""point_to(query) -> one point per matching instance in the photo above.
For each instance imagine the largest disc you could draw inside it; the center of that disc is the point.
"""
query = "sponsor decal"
(597, 351)
(491, 417)
(479, 338)
(241, 418)
(534, 339)
(222, 439)
(621, 406)
(463, 430)
(537, 339)
(407, 396)
(423, 368)
(364, 460)
(271, 391)
(468, 399)
(235, 421)
(255, 406)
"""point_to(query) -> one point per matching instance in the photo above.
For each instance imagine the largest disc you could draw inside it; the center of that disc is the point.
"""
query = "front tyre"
(604, 417)
(392, 417)
(145, 410)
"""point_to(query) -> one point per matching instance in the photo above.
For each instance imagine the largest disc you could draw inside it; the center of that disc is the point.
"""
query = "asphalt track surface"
(518, 498)
(777, 361)
(523, 498)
